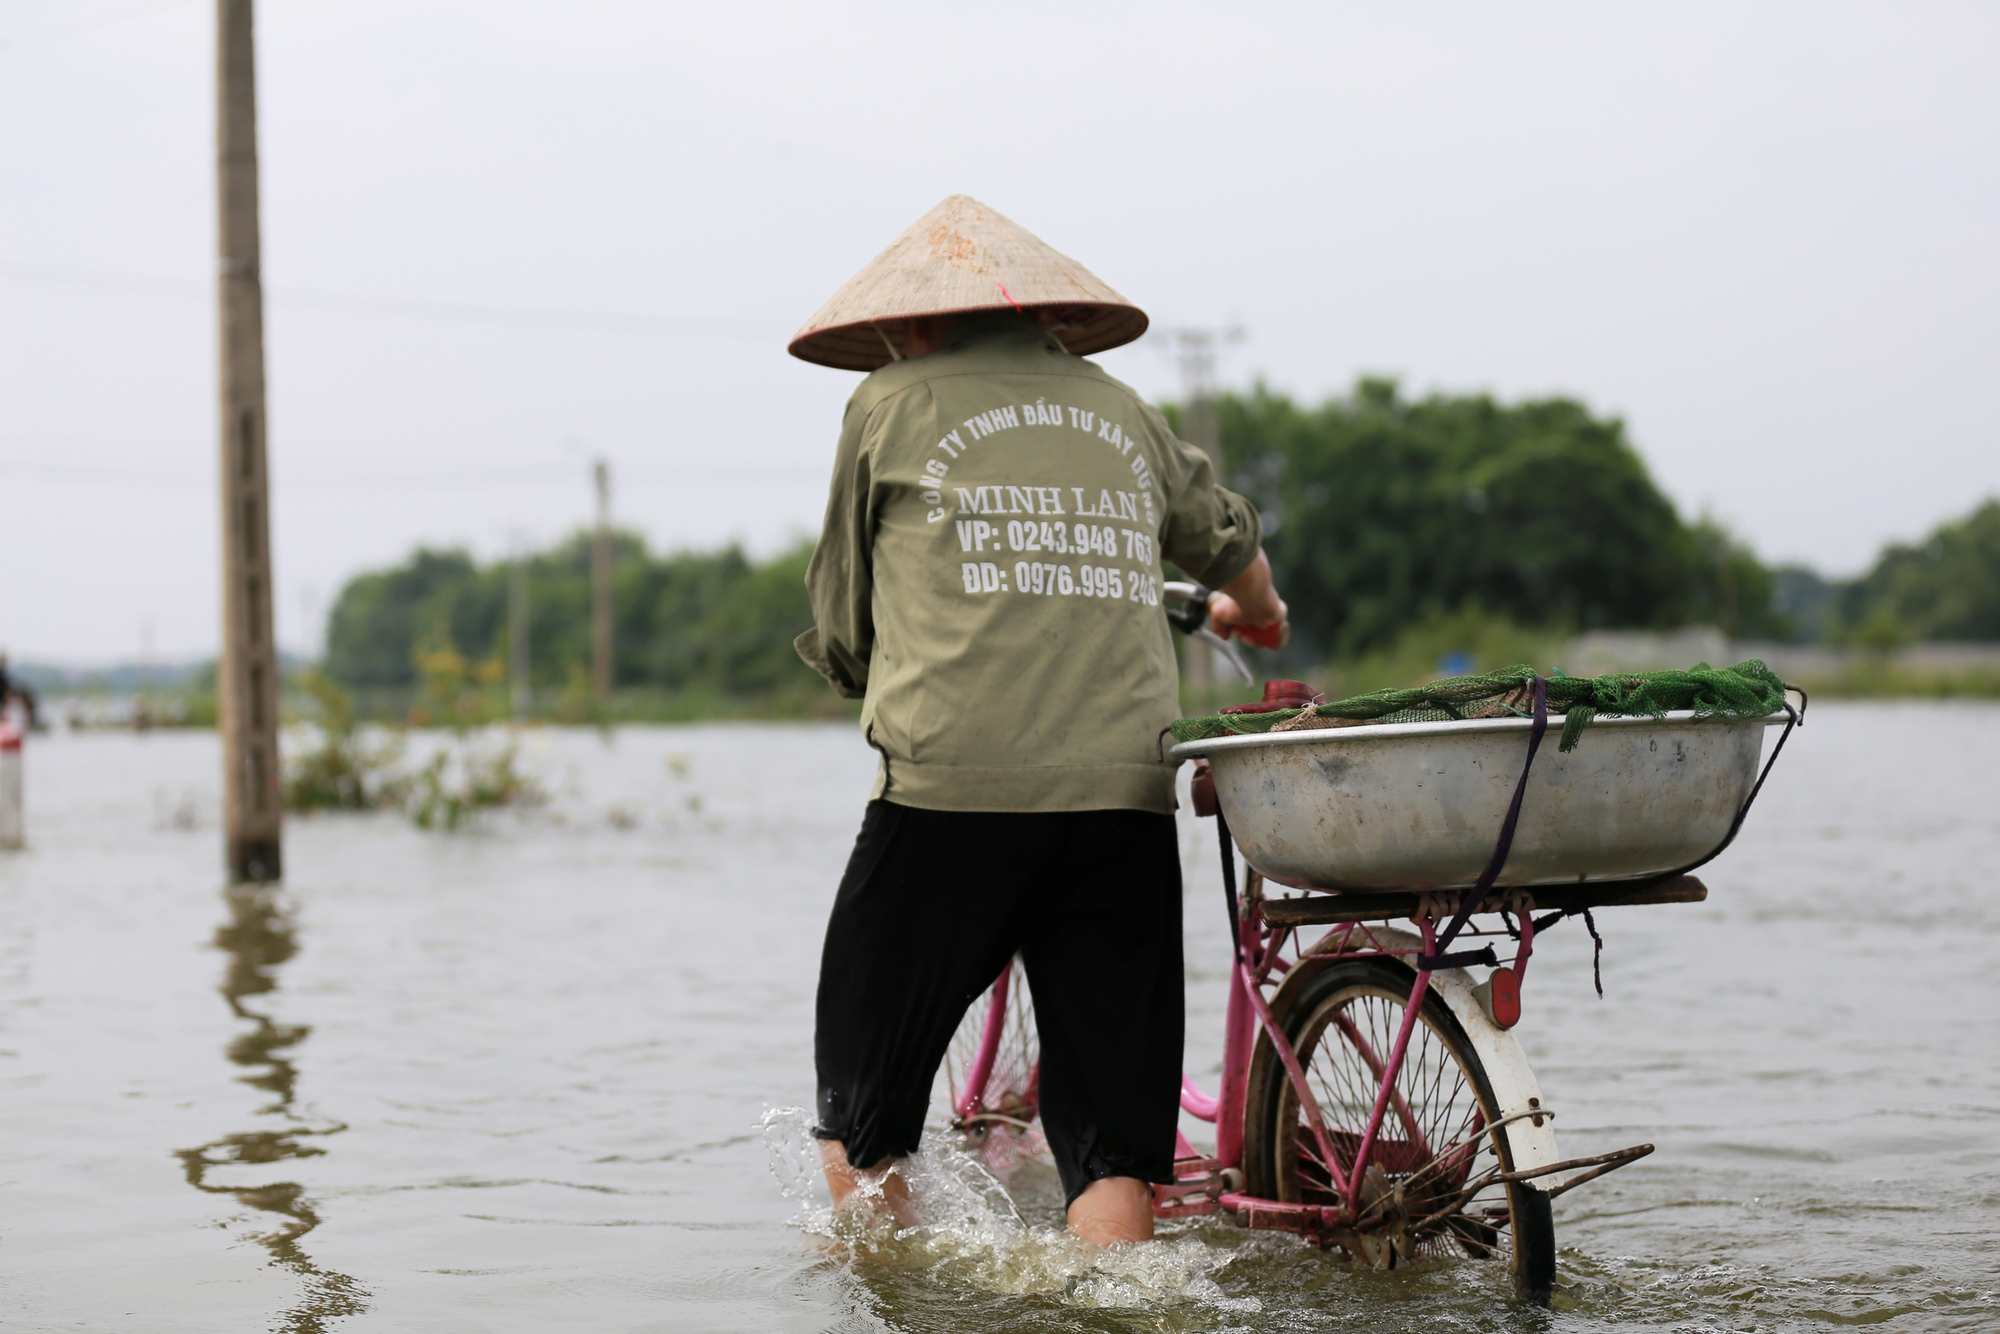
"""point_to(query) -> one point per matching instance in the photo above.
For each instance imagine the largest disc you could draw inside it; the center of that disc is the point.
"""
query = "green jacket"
(988, 577)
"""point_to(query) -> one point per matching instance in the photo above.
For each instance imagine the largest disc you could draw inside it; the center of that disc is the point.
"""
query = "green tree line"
(1944, 587)
(710, 627)
(1384, 513)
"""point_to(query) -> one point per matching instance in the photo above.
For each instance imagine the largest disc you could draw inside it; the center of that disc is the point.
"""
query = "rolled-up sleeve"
(1209, 531)
(840, 578)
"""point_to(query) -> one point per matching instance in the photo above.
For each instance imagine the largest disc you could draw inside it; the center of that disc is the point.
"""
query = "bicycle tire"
(1281, 1163)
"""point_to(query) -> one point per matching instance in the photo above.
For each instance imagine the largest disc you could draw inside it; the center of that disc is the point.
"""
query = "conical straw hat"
(962, 256)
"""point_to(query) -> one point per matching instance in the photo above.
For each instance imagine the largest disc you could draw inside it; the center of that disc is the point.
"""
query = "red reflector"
(1506, 995)
(1202, 791)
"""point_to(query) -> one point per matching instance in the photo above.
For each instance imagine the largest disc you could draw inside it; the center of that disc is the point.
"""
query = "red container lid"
(1279, 695)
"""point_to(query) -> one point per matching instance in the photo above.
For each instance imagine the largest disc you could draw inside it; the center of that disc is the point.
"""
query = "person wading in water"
(987, 582)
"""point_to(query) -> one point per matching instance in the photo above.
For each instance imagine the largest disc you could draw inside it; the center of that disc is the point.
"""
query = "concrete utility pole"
(517, 631)
(600, 586)
(247, 676)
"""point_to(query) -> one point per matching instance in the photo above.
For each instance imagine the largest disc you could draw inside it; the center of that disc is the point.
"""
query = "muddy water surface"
(534, 1075)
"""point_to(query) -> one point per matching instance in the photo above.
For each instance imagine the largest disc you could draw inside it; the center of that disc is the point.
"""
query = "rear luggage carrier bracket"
(1602, 1163)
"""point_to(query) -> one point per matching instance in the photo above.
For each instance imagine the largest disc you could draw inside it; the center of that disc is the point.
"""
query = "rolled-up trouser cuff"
(1075, 1182)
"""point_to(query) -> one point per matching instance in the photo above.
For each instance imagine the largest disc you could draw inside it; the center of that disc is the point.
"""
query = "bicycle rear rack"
(1331, 907)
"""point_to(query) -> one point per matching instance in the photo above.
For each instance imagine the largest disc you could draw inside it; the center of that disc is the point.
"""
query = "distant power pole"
(600, 585)
(310, 630)
(1194, 351)
(1195, 355)
(517, 632)
(247, 676)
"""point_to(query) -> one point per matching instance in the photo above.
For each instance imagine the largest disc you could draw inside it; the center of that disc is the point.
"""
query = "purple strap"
(1473, 896)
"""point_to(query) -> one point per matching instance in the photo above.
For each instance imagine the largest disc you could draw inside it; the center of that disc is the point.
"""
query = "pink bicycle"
(1373, 1095)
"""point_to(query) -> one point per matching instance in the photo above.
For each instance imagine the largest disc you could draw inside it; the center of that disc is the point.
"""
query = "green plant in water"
(347, 770)
(580, 701)
(453, 787)
(458, 694)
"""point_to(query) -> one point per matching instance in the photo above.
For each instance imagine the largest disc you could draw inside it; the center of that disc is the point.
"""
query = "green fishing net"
(1747, 690)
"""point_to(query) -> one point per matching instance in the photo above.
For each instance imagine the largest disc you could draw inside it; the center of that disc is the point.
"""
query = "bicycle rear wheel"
(1000, 1121)
(1432, 1175)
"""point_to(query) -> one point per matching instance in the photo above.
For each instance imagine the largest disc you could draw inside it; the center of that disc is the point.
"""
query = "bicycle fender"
(1515, 1087)
(1507, 1070)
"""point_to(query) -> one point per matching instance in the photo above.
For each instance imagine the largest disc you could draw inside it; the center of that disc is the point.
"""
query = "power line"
(104, 20)
(85, 472)
(119, 469)
(537, 472)
(586, 321)
(99, 442)
(284, 478)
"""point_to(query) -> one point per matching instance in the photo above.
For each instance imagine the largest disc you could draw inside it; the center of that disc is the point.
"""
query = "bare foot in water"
(881, 1189)
(1113, 1209)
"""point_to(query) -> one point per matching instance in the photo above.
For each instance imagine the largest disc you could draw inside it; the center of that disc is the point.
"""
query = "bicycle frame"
(1205, 1185)
(1209, 1185)
(1258, 964)
(971, 1101)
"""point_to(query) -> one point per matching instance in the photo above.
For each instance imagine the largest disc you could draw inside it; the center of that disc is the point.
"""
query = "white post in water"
(517, 630)
(603, 672)
(13, 827)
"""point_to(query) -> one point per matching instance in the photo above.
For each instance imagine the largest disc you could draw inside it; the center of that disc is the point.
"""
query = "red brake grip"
(1271, 636)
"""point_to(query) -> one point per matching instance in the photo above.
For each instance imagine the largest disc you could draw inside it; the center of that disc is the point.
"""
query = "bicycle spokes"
(992, 1075)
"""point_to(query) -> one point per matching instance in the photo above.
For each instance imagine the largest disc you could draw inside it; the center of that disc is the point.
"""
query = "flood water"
(533, 1075)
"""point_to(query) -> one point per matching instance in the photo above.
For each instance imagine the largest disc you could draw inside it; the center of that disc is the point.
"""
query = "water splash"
(970, 1233)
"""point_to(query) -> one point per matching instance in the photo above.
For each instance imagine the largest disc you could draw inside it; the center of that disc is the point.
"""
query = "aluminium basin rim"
(1188, 750)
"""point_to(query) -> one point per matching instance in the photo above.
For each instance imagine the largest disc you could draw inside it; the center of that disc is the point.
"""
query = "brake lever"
(1191, 619)
(1193, 612)
(1208, 636)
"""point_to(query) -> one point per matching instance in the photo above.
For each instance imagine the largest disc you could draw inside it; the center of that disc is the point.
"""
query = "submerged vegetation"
(349, 769)
(352, 766)
(458, 783)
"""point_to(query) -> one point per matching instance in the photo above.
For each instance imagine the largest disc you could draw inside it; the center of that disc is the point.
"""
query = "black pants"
(934, 904)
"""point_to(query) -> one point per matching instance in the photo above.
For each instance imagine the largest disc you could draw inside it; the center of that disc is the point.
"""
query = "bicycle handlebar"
(1193, 616)
(1193, 612)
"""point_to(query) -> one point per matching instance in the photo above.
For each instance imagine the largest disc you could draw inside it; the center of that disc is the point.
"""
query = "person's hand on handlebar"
(1249, 607)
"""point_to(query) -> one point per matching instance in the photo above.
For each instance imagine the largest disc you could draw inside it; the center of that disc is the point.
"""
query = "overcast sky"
(503, 237)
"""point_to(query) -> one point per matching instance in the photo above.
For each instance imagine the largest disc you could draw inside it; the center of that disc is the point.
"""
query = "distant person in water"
(12, 688)
(987, 582)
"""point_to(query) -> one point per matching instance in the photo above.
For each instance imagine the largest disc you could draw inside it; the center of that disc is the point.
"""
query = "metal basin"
(1419, 805)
